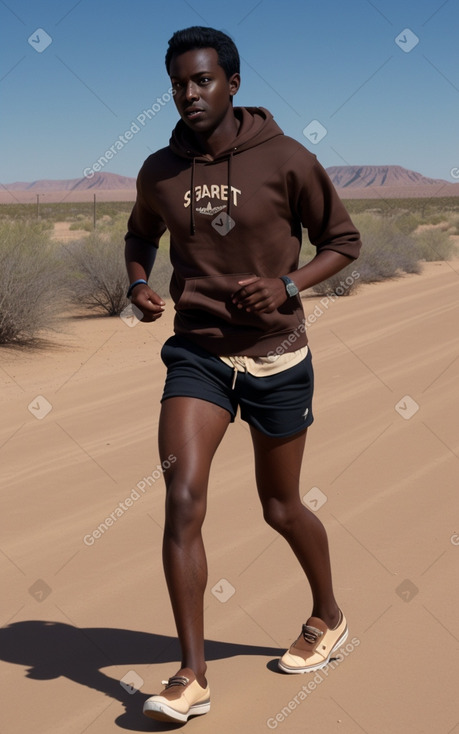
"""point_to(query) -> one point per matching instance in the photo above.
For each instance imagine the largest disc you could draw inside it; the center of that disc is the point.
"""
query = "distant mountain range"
(99, 181)
(347, 177)
(350, 181)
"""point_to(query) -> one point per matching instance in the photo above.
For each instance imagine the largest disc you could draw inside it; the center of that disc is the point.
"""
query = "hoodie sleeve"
(145, 225)
(323, 214)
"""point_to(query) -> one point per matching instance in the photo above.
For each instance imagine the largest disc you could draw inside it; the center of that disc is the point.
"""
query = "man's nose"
(192, 91)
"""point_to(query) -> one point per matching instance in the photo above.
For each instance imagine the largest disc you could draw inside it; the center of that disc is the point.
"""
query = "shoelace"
(311, 634)
(176, 680)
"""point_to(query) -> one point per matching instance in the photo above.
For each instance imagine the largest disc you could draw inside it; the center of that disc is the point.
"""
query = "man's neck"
(221, 138)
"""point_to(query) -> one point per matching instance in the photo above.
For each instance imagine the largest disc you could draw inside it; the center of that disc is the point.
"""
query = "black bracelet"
(133, 285)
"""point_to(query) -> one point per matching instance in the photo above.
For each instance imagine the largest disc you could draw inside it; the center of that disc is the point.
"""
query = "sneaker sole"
(162, 712)
(319, 666)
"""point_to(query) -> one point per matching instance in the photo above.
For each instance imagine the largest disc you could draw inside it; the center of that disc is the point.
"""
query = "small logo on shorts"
(305, 414)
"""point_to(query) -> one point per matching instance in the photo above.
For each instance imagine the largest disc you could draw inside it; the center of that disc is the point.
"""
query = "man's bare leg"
(190, 430)
(278, 466)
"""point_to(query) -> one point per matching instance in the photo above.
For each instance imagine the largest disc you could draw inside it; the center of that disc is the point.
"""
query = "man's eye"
(204, 80)
(177, 85)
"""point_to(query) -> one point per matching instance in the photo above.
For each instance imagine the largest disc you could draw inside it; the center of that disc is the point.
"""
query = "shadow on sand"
(52, 649)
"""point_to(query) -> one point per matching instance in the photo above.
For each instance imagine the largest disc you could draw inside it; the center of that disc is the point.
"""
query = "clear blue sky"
(331, 61)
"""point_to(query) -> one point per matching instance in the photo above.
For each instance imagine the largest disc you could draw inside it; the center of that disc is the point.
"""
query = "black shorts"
(278, 405)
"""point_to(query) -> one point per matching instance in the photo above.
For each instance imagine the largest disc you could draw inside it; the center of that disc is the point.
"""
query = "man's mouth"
(193, 112)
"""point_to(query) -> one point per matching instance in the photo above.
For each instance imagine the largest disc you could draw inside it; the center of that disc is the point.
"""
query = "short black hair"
(202, 37)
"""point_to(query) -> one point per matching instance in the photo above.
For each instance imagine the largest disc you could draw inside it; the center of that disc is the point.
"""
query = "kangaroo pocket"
(206, 303)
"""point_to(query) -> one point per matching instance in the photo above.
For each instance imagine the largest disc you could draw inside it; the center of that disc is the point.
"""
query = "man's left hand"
(260, 295)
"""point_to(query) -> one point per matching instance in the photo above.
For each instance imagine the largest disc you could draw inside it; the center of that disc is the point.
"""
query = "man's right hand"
(151, 305)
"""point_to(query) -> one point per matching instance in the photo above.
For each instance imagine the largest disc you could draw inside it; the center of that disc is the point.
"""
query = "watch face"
(290, 286)
(291, 289)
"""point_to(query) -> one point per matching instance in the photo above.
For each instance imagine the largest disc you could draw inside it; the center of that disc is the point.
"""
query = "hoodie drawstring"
(230, 160)
(192, 222)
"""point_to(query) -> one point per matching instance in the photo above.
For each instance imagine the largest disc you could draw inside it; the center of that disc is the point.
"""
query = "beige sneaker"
(181, 698)
(314, 647)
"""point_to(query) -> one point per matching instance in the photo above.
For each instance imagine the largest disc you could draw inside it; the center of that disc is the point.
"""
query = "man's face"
(202, 90)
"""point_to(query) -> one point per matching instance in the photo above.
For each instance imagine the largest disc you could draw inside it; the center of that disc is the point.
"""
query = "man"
(234, 193)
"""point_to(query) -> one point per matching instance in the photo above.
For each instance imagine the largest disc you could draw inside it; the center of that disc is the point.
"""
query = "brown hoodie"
(240, 213)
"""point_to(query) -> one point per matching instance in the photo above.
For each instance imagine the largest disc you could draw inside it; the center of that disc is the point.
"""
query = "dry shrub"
(386, 253)
(407, 221)
(343, 283)
(30, 281)
(96, 273)
(96, 268)
(435, 244)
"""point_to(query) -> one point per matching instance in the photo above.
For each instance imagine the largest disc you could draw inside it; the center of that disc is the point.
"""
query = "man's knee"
(185, 505)
(280, 515)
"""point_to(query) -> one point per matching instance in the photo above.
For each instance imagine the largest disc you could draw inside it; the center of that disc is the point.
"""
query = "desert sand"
(84, 609)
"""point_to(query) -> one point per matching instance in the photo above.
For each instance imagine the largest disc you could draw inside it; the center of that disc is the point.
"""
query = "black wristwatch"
(290, 286)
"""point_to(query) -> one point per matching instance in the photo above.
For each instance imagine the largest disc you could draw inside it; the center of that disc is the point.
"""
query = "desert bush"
(407, 221)
(343, 283)
(390, 248)
(386, 253)
(434, 244)
(453, 221)
(30, 281)
(96, 274)
(162, 269)
(96, 269)
(162, 272)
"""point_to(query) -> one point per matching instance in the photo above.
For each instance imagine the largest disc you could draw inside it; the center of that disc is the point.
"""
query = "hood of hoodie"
(257, 126)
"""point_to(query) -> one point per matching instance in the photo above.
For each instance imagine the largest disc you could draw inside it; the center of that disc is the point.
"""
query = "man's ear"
(234, 84)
